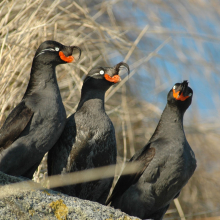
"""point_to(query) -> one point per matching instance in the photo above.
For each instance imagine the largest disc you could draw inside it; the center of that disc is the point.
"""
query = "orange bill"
(178, 96)
(114, 79)
(68, 59)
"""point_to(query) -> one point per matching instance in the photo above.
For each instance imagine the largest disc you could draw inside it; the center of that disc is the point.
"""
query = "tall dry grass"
(106, 37)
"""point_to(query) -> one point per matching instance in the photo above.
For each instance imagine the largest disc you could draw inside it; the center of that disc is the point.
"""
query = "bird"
(36, 123)
(165, 163)
(88, 139)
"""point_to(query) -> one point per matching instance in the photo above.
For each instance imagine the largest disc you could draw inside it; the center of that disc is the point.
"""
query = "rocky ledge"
(49, 204)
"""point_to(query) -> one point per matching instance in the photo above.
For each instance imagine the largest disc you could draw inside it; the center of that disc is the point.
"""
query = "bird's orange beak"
(114, 79)
(179, 96)
(68, 59)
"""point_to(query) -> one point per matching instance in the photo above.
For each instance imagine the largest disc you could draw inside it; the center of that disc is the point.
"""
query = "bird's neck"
(42, 76)
(170, 124)
(92, 99)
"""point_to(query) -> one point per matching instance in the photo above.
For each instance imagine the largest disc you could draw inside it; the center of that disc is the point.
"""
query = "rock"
(49, 204)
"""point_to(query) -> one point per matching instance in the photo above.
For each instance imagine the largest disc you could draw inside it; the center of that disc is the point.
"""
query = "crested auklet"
(88, 139)
(166, 163)
(36, 123)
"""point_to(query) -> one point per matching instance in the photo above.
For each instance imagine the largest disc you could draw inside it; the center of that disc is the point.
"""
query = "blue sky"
(193, 53)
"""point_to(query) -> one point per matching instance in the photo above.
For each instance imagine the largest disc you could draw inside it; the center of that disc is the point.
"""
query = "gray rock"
(48, 204)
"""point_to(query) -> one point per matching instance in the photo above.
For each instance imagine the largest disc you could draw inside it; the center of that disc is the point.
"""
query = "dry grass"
(105, 37)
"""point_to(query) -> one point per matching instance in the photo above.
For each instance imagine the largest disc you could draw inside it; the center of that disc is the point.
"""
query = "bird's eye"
(174, 87)
(57, 48)
(101, 72)
(190, 94)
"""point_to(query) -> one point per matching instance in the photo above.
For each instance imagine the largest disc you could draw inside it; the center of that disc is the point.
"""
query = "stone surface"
(48, 204)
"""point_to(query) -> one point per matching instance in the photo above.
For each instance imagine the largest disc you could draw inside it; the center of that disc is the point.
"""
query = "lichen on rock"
(60, 209)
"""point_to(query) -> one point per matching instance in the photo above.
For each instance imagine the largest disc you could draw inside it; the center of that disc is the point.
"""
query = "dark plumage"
(88, 139)
(167, 163)
(36, 123)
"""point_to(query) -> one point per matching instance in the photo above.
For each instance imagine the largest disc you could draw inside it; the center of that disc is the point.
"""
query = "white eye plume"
(101, 72)
(174, 87)
(48, 49)
(190, 94)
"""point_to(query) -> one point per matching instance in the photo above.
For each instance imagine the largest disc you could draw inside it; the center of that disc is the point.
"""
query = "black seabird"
(36, 123)
(88, 139)
(166, 163)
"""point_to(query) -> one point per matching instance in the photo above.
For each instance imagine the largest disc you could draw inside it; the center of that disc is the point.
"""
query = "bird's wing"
(143, 157)
(62, 149)
(15, 124)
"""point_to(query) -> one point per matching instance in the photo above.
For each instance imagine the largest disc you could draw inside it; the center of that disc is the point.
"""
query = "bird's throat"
(93, 99)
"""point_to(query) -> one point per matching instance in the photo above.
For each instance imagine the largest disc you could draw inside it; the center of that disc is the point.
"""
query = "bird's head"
(104, 77)
(180, 95)
(52, 52)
